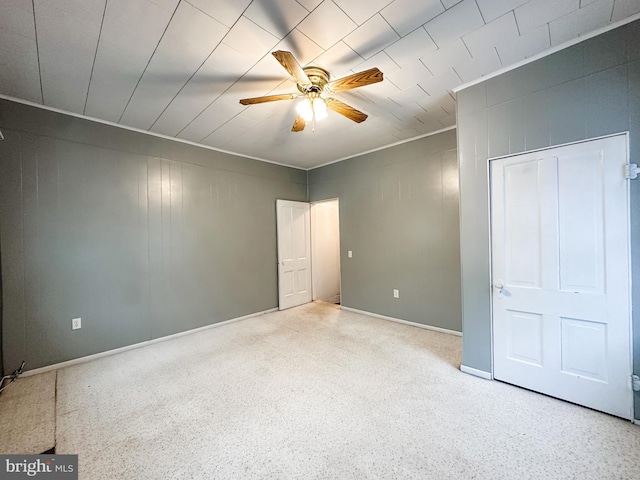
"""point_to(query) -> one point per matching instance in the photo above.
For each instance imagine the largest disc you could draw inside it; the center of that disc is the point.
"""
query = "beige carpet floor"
(315, 392)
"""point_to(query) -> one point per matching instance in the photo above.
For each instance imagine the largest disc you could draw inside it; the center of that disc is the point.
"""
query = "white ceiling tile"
(130, 33)
(409, 75)
(229, 60)
(67, 48)
(168, 5)
(492, 9)
(439, 106)
(371, 37)
(361, 10)
(250, 39)
(450, 3)
(338, 60)
(589, 18)
(226, 12)
(213, 117)
(500, 31)
(151, 97)
(223, 135)
(407, 15)
(455, 22)
(479, 66)
(19, 75)
(539, 12)
(17, 17)
(203, 88)
(268, 74)
(327, 25)
(529, 44)
(190, 25)
(411, 47)
(447, 80)
(302, 47)
(625, 8)
(188, 41)
(278, 17)
(310, 4)
(408, 96)
(381, 61)
(441, 60)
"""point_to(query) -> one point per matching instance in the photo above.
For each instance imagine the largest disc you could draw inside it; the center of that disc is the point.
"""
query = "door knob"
(499, 285)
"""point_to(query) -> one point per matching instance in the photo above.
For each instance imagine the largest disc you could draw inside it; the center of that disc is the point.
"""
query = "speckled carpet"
(315, 392)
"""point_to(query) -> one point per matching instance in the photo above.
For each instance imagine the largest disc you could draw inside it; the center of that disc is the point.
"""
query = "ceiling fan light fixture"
(320, 108)
(305, 110)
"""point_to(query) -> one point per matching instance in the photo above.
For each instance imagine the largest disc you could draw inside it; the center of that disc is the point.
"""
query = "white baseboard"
(398, 320)
(108, 353)
(636, 421)
(476, 373)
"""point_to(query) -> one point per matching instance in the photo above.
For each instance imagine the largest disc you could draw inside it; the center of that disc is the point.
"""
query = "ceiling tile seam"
(256, 63)
(499, 57)
(379, 12)
(515, 18)
(203, 63)
(149, 61)
(613, 7)
(35, 30)
(480, 11)
(95, 55)
(302, 5)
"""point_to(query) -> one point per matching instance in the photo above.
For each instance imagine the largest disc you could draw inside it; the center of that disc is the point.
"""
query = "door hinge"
(635, 383)
(631, 171)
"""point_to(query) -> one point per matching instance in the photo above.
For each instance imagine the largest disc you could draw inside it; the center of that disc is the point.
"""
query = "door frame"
(313, 291)
(625, 135)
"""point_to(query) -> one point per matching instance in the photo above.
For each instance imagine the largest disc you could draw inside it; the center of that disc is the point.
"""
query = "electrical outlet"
(396, 293)
(76, 323)
(350, 254)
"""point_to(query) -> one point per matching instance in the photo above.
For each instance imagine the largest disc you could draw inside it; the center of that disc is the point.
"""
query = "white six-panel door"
(294, 253)
(560, 268)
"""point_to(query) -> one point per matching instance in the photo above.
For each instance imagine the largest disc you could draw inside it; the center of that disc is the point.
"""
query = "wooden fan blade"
(291, 65)
(346, 110)
(373, 75)
(299, 124)
(268, 98)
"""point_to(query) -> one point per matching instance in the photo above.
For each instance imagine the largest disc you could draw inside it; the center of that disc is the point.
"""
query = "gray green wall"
(399, 216)
(139, 236)
(588, 90)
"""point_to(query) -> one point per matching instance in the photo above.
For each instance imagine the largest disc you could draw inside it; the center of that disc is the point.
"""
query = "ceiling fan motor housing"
(318, 78)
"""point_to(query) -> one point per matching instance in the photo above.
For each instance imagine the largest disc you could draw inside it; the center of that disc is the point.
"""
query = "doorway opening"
(325, 251)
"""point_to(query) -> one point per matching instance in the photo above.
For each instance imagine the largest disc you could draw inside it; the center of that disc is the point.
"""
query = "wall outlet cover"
(396, 293)
(76, 323)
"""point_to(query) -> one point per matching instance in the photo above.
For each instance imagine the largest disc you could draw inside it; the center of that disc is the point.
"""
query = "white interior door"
(560, 267)
(294, 253)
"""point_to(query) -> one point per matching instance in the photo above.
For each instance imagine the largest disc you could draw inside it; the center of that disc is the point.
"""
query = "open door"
(294, 253)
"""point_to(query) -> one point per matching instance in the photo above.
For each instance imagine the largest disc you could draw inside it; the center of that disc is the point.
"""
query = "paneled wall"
(139, 236)
(588, 90)
(399, 217)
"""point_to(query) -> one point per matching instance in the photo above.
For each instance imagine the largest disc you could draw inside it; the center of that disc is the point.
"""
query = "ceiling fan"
(314, 86)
